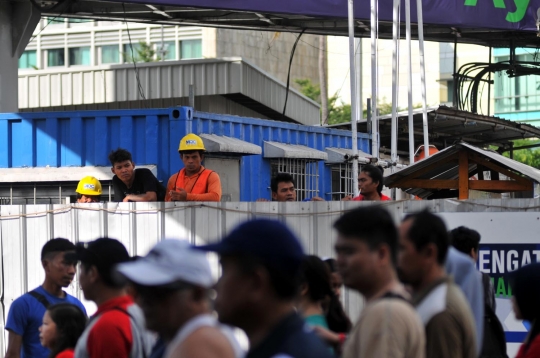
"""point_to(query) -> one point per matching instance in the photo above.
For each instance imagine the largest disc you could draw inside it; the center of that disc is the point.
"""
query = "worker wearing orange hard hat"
(88, 190)
(194, 182)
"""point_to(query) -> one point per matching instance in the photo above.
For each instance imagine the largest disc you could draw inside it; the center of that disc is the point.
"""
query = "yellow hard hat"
(191, 142)
(89, 186)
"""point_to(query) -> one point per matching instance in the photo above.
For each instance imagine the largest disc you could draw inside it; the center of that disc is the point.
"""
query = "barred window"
(342, 180)
(305, 173)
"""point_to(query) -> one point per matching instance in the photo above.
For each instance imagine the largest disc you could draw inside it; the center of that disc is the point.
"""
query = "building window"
(190, 49)
(79, 56)
(450, 91)
(128, 54)
(110, 54)
(342, 180)
(28, 59)
(169, 50)
(56, 57)
(305, 173)
(519, 93)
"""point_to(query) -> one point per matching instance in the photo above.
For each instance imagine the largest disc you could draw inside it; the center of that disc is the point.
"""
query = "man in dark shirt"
(132, 184)
(261, 262)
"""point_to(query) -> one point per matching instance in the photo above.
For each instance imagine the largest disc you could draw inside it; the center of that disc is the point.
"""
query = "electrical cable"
(44, 27)
(289, 72)
(139, 86)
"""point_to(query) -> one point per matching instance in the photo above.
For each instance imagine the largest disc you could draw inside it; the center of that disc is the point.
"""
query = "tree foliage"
(143, 52)
(338, 112)
(529, 156)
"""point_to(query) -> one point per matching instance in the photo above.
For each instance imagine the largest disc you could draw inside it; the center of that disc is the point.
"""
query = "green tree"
(143, 52)
(529, 156)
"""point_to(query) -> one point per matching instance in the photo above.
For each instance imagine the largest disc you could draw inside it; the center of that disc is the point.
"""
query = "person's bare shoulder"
(205, 342)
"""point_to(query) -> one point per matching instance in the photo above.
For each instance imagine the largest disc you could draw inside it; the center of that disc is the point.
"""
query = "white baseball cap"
(169, 261)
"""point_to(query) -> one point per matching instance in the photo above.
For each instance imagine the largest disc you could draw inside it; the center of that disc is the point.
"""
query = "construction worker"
(194, 182)
(89, 190)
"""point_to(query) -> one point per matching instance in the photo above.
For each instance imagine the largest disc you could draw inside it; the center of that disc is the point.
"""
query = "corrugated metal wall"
(84, 138)
(160, 80)
(25, 229)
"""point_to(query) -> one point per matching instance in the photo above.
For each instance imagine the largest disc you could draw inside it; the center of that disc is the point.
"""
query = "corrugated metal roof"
(233, 78)
(281, 150)
(222, 144)
(449, 170)
(447, 126)
(62, 174)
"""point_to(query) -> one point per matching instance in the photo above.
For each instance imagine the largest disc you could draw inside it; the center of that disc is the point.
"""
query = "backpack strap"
(38, 296)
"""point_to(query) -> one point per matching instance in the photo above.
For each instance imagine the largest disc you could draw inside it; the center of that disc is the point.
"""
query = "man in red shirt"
(117, 328)
(370, 185)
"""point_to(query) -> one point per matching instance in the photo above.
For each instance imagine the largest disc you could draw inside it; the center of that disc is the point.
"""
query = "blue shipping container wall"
(85, 138)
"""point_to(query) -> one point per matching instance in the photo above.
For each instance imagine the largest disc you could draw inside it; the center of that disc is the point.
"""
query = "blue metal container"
(85, 138)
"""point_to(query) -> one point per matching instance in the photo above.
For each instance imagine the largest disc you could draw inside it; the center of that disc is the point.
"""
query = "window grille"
(304, 172)
(342, 180)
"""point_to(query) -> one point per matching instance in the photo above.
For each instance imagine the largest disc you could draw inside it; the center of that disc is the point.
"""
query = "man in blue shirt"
(26, 312)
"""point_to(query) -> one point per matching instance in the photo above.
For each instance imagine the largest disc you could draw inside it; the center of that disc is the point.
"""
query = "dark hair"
(284, 280)
(336, 317)
(331, 264)
(119, 155)
(281, 178)
(201, 152)
(427, 228)
(55, 246)
(465, 239)
(373, 225)
(98, 197)
(70, 323)
(316, 276)
(376, 174)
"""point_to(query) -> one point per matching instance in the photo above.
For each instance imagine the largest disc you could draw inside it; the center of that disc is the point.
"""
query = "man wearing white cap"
(172, 284)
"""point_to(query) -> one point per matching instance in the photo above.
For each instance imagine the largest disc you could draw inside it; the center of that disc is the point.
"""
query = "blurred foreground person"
(448, 320)
(337, 319)
(172, 286)
(261, 261)
(117, 328)
(62, 326)
(366, 249)
(526, 301)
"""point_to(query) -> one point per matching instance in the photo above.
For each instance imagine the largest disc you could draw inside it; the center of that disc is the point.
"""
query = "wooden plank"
(463, 175)
(416, 174)
(481, 161)
(503, 185)
(430, 184)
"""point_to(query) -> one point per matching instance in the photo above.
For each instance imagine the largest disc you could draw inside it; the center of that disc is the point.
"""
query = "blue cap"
(268, 240)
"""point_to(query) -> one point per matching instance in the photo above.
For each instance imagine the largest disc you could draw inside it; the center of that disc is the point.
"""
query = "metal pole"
(422, 75)
(489, 85)
(374, 119)
(354, 99)
(358, 64)
(395, 74)
(409, 81)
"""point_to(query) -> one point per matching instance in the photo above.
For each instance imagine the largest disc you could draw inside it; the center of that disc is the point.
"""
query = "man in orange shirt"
(194, 182)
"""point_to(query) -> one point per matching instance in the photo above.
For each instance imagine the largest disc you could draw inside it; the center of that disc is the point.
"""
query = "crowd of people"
(423, 297)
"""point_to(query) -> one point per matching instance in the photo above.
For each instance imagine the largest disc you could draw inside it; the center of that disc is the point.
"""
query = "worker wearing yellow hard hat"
(193, 182)
(88, 190)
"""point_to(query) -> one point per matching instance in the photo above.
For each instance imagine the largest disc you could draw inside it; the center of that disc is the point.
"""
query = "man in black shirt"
(132, 184)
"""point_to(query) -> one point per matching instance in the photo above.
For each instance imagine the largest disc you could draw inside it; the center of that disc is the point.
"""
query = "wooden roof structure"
(450, 172)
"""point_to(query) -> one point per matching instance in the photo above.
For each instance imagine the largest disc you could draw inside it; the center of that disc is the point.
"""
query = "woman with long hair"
(62, 326)
(526, 301)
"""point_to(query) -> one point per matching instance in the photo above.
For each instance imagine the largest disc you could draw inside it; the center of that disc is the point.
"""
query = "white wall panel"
(25, 229)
